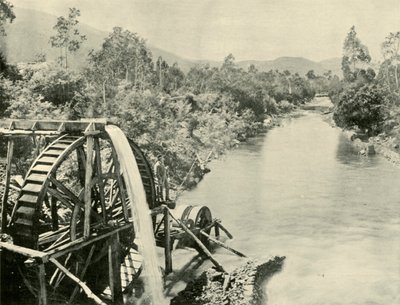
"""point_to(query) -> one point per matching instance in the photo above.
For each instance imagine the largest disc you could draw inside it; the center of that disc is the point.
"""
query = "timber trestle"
(67, 227)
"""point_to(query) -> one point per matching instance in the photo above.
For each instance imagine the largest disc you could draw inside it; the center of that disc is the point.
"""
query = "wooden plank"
(28, 198)
(4, 201)
(100, 181)
(24, 251)
(32, 188)
(84, 287)
(36, 178)
(48, 160)
(53, 125)
(42, 168)
(115, 269)
(52, 152)
(42, 285)
(88, 186)
(167, 245)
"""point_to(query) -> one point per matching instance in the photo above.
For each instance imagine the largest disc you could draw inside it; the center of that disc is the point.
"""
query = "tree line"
(185, 116)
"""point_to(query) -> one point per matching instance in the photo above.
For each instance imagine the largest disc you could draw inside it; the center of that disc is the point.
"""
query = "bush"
(363, 107)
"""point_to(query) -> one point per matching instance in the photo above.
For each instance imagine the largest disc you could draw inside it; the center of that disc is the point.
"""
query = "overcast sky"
(250, 29)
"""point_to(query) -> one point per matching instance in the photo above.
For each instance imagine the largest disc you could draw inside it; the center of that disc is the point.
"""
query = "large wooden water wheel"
(73, 206)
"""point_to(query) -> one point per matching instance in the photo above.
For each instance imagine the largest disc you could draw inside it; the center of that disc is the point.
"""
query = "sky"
(249, 29)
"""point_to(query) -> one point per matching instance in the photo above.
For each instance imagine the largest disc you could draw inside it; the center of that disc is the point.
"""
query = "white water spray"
(140, 213)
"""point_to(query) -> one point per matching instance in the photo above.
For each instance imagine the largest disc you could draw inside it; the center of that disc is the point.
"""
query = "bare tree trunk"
(104, 94)
(159, 66)
(396, 76)
(126, 73)
(66, 58)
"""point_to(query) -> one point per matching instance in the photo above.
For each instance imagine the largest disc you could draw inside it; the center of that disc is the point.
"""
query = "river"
(302, 191)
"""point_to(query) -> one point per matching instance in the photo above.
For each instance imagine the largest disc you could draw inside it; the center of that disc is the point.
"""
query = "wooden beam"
(224, 229)
(100, 181)
(25, 251)
(81, 157)
(56, 194)
(65, 190)
(42, 285)
(70, 195)
(82, 242)
(167, 245)
(10, 152)
(222, 244)
(88, 185)
(84, 287)
(114, 269)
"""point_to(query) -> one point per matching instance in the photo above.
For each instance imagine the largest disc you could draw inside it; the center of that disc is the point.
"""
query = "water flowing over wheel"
(50, 212)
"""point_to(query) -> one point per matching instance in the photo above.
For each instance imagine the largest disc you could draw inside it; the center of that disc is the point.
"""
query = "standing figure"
(161, 177)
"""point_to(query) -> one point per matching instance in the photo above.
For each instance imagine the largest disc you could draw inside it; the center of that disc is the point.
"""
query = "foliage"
(67, 37)
(362, 107)
(6, 14)
(355, 55)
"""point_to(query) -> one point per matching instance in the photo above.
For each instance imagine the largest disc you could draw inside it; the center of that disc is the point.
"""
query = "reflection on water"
(302, 191)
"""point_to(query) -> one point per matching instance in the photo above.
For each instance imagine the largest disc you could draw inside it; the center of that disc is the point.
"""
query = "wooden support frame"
(88, 182)
(42, 285)
(83, 273)
(99, 177)
(114, 269)
(199, 243)
(84, 287)
(167, 244)
(10, 152)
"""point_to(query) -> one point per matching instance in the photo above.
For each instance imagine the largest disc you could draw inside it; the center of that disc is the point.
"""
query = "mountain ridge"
(29, 35)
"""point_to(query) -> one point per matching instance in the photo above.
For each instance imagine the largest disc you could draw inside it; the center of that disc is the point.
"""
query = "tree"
(67, 39)
(355, 55)
(6, 14)
(311, 74)
(390, 51)
(123, 56)
(363, 107)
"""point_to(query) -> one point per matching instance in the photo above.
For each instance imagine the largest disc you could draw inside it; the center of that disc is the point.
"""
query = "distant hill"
(30, 32)
(295, 65)
(29, 35)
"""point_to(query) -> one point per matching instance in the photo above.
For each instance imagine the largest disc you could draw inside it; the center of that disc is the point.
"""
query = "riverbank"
(244, 285)
(386, 146)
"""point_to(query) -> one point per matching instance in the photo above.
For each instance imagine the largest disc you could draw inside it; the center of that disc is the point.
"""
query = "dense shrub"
(362, 107)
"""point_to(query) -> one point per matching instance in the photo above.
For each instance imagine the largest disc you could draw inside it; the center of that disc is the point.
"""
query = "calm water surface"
(303, 192)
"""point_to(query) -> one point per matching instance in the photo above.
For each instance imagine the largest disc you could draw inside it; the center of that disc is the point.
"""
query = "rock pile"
(242, 286)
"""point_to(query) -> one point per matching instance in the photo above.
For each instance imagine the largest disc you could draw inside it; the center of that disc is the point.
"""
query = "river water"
(302, 191)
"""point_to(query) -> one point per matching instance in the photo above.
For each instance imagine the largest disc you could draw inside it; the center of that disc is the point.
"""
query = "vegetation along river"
(302, 191)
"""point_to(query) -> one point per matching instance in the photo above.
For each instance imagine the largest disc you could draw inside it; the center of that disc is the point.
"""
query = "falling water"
(141, 214)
